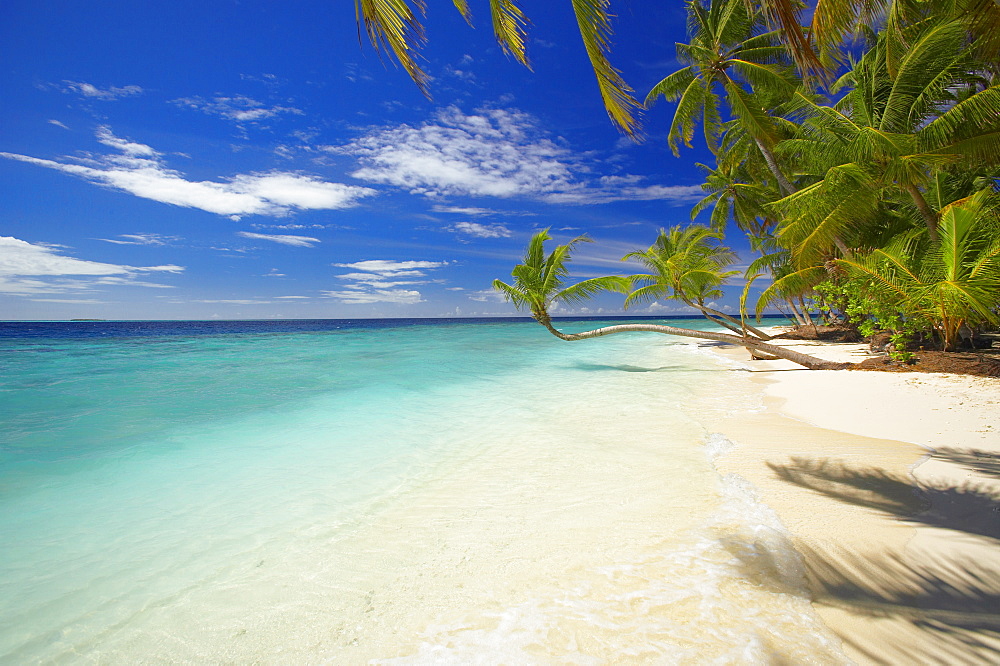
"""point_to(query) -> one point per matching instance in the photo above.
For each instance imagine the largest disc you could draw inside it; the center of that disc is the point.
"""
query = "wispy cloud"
(238, 108)
(389, 267)
(141, 239)
(379, 281)
(480, 230)
(297, 241)
(140, 170)
(234, 301)
(493, 153)
(52, 121)
(27, 268)
(91, 91)
(497, 153)
(463, 210)
(486, 296)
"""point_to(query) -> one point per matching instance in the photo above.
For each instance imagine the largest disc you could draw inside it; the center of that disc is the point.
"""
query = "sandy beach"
(890, 484)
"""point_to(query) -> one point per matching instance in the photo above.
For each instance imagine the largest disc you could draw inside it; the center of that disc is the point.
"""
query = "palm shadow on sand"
(954, 599)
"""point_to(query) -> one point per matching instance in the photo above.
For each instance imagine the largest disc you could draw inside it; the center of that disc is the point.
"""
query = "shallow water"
(432, 493)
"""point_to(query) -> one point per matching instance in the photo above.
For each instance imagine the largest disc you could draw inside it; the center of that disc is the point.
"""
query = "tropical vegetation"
(860, 154)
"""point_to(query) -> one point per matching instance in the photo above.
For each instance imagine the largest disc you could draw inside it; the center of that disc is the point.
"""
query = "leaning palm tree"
(688, 265)
(539, 282)
(394, 25)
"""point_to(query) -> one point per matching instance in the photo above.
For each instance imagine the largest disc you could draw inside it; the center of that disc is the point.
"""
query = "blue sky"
(252, 160)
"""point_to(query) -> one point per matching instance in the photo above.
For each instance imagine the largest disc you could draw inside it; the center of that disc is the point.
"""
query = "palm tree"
(877, 151)
(539, 280)
(394, 25)
(819, 48)
(947, 282)
(725, 52)
(688, 264)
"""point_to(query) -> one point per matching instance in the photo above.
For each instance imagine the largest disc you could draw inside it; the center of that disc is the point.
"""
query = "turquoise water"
(426, 493)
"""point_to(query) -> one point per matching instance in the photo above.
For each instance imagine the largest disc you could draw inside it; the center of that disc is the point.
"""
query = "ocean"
(382, 491)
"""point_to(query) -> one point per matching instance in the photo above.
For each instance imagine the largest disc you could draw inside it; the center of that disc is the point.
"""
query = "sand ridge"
(890, 483)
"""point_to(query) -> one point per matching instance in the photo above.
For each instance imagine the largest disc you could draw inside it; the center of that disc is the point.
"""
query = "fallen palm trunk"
(804, 360)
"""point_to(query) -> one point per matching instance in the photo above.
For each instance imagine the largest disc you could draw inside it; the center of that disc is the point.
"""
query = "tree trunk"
(705, 310)
(772, 164)
(795, 312)
(740, 332)
(805, 313)
(804, 360)
(930, 217)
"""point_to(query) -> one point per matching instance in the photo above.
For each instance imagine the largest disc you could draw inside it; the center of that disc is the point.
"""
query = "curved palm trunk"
(804, 360)
(757, 356)
(736, 324)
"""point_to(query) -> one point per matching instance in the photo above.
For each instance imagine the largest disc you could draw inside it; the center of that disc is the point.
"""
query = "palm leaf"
(393, 25)
(595, 28)
(509, 26)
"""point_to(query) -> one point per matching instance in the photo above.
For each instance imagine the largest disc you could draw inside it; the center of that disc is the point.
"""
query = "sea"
(398, 491)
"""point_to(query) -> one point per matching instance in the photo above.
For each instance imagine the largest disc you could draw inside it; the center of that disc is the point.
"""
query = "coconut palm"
(539, 280)
(394, 26)
(947, 282)
(834, 23)
(726, 52)
(689, 265)
(878, 150)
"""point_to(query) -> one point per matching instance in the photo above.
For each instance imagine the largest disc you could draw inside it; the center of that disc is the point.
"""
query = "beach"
(890, 485)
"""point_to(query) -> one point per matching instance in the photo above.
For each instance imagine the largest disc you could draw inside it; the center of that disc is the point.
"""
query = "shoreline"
(890, 486)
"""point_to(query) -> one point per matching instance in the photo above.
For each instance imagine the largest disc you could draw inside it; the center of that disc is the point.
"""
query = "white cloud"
(493, 153)
(27, 268)
(239, 108)
(141, 171)
(57, 124)
(463, 210)
(497, 153)
(377, 281)
(387, 267)
(661, 308)
(93, 92)
(72, 301)
(298, 241)
(608, 193)
(140, 239)
(481, 230)
(234, 301)
(400, 296)
(486, 296)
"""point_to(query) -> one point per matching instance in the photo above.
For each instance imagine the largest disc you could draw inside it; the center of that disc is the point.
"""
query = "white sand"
(902, 541)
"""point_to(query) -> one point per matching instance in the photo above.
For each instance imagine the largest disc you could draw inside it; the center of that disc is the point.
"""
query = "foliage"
(539, 280)
(394, 26)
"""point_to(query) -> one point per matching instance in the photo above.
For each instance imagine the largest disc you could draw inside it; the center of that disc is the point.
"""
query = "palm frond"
(510, 28)
(463, 8)
(797, 283)
(393, 25)
(594, 21)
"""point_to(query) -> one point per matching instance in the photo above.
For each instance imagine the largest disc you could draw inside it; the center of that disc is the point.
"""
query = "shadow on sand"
(952, 601)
